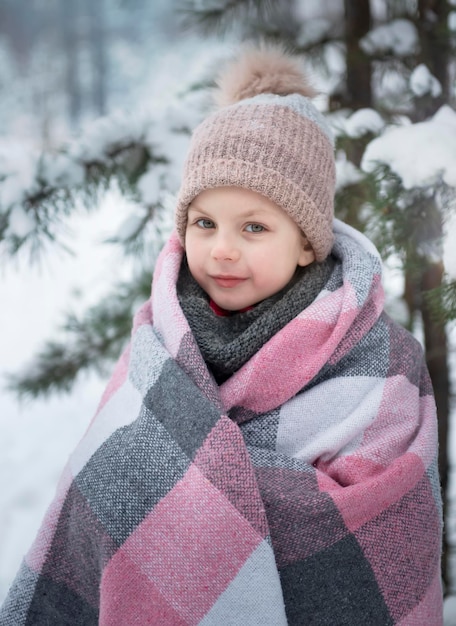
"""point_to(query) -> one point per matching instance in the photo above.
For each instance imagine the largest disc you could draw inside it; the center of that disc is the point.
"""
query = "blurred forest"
(65, 61)
(96, 95)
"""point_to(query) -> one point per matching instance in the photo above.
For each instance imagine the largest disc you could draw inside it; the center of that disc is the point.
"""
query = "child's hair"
(267, 137)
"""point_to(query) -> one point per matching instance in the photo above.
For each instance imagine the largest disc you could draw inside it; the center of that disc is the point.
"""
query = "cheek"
(196, 257)
(277, 258)
(268, 267)
(191, 247)
(193, 264)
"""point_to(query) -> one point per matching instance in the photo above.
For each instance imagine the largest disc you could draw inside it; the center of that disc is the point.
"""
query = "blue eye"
(202, 223)
(254, 228)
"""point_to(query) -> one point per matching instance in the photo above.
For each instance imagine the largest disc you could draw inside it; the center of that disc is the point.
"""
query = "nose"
(225, 248)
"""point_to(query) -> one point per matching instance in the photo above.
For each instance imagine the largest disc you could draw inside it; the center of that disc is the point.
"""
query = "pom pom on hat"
(261, 70)
(267, 137)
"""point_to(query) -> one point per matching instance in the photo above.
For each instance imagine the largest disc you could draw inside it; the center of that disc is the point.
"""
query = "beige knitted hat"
(267, 137)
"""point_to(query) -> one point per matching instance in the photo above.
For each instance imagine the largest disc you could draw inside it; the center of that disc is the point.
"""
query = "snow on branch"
(362, 122)
(38, 190)
(421, 154)
(422, 82)
(399, 38)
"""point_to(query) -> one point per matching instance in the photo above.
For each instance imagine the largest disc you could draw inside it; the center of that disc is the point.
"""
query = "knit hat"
(267, 137)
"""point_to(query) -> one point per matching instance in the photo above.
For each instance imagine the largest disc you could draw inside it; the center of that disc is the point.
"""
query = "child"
(265, 453)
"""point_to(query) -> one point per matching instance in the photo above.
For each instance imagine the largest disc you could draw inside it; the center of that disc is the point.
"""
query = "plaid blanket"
(303, 490)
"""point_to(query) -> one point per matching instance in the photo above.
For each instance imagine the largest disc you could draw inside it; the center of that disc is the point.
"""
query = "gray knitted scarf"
(226, 343)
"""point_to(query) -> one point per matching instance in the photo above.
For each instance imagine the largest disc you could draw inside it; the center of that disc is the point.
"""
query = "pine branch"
(38, 193)
(39, 218)
(91, 344)
(403, 221)
(442, 302)
(219, 15)
(408, 224)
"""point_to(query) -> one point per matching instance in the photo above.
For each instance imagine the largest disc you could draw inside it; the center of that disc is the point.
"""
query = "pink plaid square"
(190, 547)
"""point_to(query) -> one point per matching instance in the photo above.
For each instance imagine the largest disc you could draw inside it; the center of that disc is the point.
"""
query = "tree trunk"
(358, 81)
(437, 362)
(435, 43)
(435, 53)
(358, 94)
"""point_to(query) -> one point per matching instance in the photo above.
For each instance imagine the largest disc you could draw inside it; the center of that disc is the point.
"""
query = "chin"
(232, 306)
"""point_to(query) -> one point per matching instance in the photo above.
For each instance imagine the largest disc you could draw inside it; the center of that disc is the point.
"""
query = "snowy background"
(151, 73)
(36, 437)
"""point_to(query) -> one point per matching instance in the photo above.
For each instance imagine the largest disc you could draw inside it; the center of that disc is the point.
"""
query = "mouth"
(228, 281)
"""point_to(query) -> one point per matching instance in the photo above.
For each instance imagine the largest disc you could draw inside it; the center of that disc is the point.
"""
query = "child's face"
(241, 247)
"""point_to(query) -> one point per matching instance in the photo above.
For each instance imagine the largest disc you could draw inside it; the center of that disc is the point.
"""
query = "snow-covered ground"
(36, 437)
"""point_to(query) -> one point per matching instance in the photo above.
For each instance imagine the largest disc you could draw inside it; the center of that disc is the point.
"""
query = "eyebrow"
(193, 207)
(248, 213)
